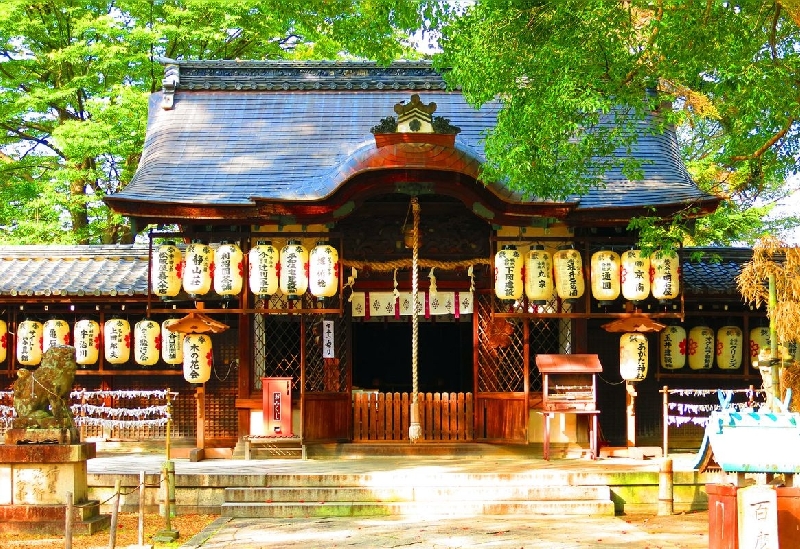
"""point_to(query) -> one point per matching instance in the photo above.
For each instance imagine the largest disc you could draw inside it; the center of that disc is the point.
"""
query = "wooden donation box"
(569, 387)
(277, 406)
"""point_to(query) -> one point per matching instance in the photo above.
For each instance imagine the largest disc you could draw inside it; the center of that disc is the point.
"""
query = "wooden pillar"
(200, 395)
(630, 412)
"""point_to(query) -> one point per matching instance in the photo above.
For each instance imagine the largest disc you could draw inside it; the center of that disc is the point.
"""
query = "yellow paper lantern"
(3, 340)
(198, 268)
(701, 348)
(263, 268)
(55, 332)
(508, 273)
(87, 341)
(672, 343)
(323, 270)
(759, 341)
(166, 270)
(197, 358)
(171, 344)
(635, 275)
(117, 341)
(228, 269)
(633, 356)
(730, 341)
(539, 285)
(29, 342)
(605, 273)
(293, 269)
(569, 281)
(665, 267)
(793, 348)
(146, 342)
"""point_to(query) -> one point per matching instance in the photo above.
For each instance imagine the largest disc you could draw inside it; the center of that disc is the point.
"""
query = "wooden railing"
(386, 416)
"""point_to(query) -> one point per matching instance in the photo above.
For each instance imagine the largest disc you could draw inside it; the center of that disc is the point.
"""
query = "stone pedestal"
(34, 482)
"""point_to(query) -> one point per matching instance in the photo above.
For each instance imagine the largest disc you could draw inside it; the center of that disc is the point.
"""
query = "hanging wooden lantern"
(672, 343)
(117, 341)
(171, 344)
(730, 341)
(293, 269)
(508, 273)
(87, 341)
(263, 268)
(198, 268)
(323, 270)
(665, 268)
(166, 270)
(568, 266)
(3, 340)
(759, 341)
(54, 332)
(700, 347)
(605, 273)
(228, 269)
(29, 342)
(633, 356)
(539, 286)
(197, 358)
(635, 275)
(146, 342)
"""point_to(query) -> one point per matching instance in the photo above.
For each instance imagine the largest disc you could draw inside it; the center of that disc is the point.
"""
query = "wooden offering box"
(569, 382)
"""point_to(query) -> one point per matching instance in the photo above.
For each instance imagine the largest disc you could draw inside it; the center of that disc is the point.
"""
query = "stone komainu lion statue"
(41, 396)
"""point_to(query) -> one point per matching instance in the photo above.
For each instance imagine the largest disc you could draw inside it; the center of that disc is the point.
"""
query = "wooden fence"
(386, 416)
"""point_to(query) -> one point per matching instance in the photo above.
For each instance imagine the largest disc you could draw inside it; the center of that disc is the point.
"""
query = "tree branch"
(766, 146)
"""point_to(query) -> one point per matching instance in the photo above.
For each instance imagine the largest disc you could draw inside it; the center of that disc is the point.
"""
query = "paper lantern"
(323, 270)
(263, 268)
(228, 269)
(633, 356)
(569, 274)
(293, 269)
(700, 348)
(55, 332)
(730, 341)
(759, 341)
(146, 342)
(508, 273)
(635, 275)
(171, 344)
(3, 340)
(539, 286)
(166, 271)
(29, 342)
(793, 348)
(117, 341)
(198, 268)
(197, 358)
(605, 273)
(87, 341)
(672, 343)
(665, 268)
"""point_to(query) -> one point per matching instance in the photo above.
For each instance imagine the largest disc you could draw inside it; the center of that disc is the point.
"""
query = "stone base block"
(51, 519)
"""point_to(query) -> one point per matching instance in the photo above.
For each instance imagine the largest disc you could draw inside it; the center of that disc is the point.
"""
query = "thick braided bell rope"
(414, 429)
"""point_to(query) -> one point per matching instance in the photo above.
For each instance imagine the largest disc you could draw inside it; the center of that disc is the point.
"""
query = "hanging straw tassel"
(414, 429)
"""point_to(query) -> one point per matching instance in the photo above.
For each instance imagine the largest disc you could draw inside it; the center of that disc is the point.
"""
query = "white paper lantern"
(55, 332)
(605, 274)
(665, 267)
(198, 268)
(635, 275)
(117, 341)
(323, 270)
(793, 348)
(633, 356)
(171, 344)
(508, 273)
(3, 340)
(569, 281)
(146, 342)
(759, 341)
(263, 268)
(87, 341)
(701, 348)
(293, 279)
(197, 358)
(166, 270)
(672, 343)
(29, 342)
(539, 285)
(228, 269)
(730, 341)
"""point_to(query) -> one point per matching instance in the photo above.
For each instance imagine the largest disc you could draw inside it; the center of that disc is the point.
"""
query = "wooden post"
(68, 522)
(630, 412)
(141, 507)
(200, 395)
(665, 488)
(112, 532)
(665, 418)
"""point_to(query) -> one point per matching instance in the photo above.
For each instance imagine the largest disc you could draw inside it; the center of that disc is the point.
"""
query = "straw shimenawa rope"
(414, 429)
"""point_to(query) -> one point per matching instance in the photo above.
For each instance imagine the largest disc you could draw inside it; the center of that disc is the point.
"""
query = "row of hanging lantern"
(294, 270)
(542, 275)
